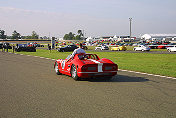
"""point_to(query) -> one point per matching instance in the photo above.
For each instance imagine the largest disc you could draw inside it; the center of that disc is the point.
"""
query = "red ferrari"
(86, 66)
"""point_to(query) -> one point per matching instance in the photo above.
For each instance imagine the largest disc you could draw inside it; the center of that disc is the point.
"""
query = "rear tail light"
(114, 68)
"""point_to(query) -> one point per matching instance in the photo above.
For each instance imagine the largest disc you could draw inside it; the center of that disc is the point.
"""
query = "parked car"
(67, 48)
(1, 45)
(141, 48)
(39, 45)
(161, 47)
(171, 49)
(59, 46)
(86, 66)
(102, 48)
(119, 48)
(24, 47)
(7, 45)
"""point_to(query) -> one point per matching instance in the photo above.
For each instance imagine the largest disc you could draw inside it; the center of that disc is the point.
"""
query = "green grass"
(163, 64)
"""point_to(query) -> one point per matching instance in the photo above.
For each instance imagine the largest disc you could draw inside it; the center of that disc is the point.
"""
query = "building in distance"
(159, 37)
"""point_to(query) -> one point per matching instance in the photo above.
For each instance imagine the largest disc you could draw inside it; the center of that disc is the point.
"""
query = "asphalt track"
(29, 88)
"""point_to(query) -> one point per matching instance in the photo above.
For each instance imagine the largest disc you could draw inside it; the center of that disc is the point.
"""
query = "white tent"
(89, 39)
(157, 36)
(110, 38)
(115, 37)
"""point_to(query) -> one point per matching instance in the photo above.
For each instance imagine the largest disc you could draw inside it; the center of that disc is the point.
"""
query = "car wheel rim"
(74, 72)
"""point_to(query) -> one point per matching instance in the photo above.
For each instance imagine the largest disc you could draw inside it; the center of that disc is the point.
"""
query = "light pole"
(130, 27)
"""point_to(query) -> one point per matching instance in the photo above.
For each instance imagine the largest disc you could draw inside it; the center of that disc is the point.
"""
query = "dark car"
(39, 45)
(68, 48)
(24, 47)
(7, 46)
(1, 45)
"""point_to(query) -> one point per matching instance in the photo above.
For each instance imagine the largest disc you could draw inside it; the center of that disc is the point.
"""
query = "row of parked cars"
(5, 45)
(19, 47)
(123, 48)
(114, 48)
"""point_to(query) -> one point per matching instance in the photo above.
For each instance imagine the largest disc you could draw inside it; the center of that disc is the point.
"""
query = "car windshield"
(68, 56)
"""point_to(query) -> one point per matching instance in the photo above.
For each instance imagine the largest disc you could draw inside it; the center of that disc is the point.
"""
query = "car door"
(139, 48)
(174, 48)
(67, 67)
(69, 48)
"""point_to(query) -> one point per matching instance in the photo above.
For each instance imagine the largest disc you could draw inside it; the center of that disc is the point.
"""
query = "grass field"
(163, 64)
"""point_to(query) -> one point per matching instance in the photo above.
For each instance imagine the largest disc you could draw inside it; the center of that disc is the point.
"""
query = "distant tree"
(16, 35)
(69, 36)
(2, 34)
(77, 37)
(72, 36)
(80, 33)
(9, 37)
(45, 37)
(66, 37)
(34, 35)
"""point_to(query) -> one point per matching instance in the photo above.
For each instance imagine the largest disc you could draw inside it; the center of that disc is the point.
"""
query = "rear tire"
(74, 73)
(56, 69)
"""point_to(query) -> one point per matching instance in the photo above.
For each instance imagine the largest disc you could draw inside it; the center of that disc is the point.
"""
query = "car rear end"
(97, 70)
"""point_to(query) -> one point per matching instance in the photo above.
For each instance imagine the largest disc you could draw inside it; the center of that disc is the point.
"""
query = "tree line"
(72, 36)
(17, 35)
(34, 35)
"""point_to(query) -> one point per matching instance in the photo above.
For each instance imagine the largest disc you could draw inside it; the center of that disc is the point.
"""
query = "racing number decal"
(63, 64)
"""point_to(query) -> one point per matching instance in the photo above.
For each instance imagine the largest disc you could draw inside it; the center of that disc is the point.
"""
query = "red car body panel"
(92, 66)
(161, 46)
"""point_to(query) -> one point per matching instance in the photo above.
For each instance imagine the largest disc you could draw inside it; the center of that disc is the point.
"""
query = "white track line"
(147, 74)
(118, 69)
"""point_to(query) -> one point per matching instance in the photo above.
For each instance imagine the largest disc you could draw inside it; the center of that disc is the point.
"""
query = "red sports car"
(86, 66)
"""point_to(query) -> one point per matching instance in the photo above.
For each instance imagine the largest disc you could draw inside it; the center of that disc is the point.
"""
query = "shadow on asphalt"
(117, 78)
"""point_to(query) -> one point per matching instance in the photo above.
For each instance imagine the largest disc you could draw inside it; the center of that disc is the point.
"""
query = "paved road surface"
(29, 88)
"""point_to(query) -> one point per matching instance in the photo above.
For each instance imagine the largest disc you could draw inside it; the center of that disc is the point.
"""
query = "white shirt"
(77, 51)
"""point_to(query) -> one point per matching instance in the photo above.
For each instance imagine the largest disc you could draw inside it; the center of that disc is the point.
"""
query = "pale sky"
(95, 17)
